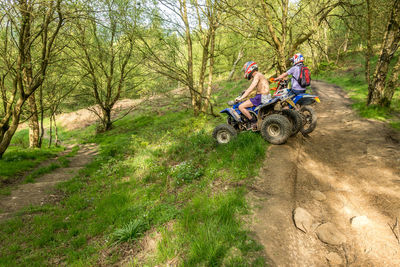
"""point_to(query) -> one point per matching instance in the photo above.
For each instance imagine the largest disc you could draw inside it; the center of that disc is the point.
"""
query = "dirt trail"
(346, 175)
(39, 193)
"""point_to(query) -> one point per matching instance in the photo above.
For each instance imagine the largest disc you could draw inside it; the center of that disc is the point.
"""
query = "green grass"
(62, 161)
(18, 158)
(153, 172)
(129, 232)
(5, 191)
(40, 171)
(208, 229)
(17, 161)
(352, 79)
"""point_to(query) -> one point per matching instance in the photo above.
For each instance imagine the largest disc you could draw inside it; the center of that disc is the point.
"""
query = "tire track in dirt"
(40, 192)
(347, 174)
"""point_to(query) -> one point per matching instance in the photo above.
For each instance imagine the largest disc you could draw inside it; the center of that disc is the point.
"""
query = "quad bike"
(302, 102)
(275, 121)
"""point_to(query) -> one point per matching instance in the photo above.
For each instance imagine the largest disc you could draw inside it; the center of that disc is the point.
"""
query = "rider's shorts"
(259, 99)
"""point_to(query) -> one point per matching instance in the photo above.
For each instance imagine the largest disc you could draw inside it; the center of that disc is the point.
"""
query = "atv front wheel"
(309, 120)
(276, 129)
(224, 133)
(295, 119)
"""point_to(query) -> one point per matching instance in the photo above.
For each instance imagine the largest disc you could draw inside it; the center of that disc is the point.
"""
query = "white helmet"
(248, 69)
(297, 58)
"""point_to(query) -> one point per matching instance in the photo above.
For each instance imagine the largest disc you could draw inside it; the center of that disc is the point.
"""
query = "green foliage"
(21, 139)
(325, 68)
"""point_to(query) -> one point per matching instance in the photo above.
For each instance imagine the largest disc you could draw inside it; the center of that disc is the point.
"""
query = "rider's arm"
(282, 76)
(251, 88)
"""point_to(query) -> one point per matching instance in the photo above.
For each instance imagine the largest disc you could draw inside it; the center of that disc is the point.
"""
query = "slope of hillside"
(159, 179)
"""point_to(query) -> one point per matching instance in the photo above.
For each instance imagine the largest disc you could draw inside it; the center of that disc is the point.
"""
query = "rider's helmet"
(248, 68)
(297, 58)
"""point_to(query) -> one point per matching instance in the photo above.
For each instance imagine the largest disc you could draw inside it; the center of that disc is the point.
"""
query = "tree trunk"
(313, 57)
(27, 78)
(196, 97)
(56, 141)
(41, 116)
(346, 41)
(34, 131)
(390, 44)
(281, 60)
(283, 56)
(6, 139)
(369, 52)
(51, 130)
(278, 45)
(391, 85)
(204, 61)
(210, 73)
(343, 47)
(107, 123)
(8, 132)
(205, 43)
(326, 48)
(238, 58)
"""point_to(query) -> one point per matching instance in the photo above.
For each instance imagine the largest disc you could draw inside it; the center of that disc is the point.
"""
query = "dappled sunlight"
(356, 173)
(339, 187)
(348, 197)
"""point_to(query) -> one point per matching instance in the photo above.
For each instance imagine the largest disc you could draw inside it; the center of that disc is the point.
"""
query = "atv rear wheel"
(276, 129)
(224, 133)
(309, 120)
(295, 119)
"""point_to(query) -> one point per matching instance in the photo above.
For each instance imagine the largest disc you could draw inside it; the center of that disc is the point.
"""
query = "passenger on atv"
(300, 75)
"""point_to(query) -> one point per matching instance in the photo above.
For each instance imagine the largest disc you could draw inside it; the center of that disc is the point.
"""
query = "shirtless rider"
(259, 83)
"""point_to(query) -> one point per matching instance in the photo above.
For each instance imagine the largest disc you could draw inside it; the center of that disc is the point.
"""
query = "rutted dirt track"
(346, 179)
(40, 192)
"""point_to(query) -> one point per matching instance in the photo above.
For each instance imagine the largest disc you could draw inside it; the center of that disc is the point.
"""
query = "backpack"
(305, 77)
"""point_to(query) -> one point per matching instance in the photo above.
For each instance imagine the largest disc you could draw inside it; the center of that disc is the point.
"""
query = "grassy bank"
(351, 77)
(158, 177)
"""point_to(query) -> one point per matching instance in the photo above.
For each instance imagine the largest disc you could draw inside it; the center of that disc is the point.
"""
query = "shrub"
(186, 172)
(129, 232)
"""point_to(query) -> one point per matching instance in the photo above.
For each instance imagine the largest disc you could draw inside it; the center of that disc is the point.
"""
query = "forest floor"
(340, 186)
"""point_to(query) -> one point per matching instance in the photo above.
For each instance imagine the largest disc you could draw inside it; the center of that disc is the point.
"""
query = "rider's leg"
(243, 106)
